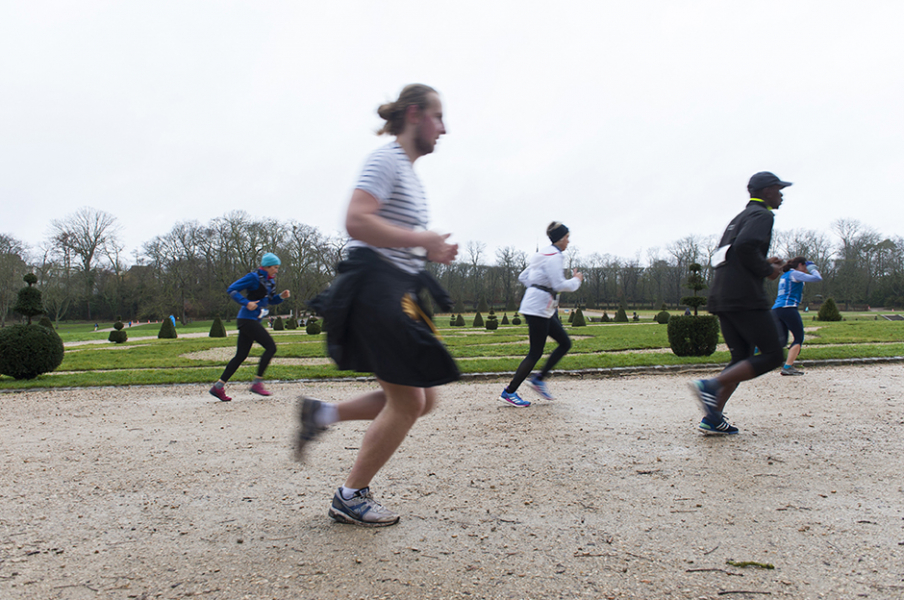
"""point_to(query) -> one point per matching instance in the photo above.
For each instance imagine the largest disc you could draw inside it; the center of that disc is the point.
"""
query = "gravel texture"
(606, 492)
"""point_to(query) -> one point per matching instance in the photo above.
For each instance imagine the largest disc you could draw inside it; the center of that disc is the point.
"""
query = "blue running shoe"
(705, 391)
(717, 426)
(514, 399)
(540, 387)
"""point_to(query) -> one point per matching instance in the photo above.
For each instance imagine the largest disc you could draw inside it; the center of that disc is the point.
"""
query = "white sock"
(347, 493)
(326, 415)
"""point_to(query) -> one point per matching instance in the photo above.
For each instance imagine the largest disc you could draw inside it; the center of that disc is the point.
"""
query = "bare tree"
(85, 233)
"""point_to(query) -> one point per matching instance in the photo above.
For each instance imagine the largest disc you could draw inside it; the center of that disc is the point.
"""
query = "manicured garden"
(90, 360)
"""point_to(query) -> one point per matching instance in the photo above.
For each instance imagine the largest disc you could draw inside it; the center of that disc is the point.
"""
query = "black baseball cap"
(764, 179)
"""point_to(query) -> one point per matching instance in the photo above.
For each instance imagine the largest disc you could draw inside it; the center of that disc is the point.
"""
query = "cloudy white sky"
(635, 123)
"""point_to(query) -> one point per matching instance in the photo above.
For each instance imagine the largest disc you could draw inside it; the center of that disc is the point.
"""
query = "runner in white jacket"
(543, 279)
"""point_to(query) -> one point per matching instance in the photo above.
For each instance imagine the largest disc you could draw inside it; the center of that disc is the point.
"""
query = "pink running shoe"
(219, 393)
(259, 389)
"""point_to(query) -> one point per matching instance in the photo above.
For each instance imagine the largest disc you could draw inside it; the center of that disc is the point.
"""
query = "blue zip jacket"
(791, 287)
(251, 283)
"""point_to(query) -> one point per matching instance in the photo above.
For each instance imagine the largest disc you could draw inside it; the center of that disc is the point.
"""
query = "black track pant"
(745, 330)
(539, 329)
(250, 331)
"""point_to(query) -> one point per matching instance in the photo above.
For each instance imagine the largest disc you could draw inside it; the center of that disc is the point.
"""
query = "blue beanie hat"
(270, 260)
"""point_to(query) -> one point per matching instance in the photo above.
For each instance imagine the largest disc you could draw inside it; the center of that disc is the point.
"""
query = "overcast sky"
(635, 123)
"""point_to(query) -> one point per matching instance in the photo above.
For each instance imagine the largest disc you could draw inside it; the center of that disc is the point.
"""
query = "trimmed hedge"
(278, 324)
(516, 320)
(693, 336)
(167, 330)
(578, 320)
(217, 329)
(460, 320)
(828, 311)
(313, 327)
(27, 351)
(118, 336)
(492, 322)
(478, 321)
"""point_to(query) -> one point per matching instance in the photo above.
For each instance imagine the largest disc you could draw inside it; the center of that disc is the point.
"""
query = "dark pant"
(787, 319)
(745, 330)
(538, 330)
(250, 331)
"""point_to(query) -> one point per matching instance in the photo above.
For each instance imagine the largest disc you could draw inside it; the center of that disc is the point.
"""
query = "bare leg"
(402, 407)
(792, 354)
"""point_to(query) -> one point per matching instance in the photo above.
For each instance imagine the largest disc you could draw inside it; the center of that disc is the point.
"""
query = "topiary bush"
(478, 321)
(313, 327)
(662, 317)
(167, 330)
(217, 329)
(29, 303)
(278, 324)
(578, 320)
(492, 323)
(605, 318)
(828, 311)
(460, 320)
(45, 322)
(505, 320)
(696, 283)
(27, 351)
(482, 306)
(291, 323)
(571, 315)
(118, 335)
(516, 319)
(693, 336)
(622, 315)
(452, 320)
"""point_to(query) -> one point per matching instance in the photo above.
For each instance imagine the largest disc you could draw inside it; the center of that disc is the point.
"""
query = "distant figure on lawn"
(544, 278)
(260, 292)
(737, 296)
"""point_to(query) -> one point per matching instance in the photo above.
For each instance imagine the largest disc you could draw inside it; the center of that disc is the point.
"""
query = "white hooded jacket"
(546, 269)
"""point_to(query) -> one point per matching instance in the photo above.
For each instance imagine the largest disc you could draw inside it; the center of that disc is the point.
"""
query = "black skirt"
(369, 331)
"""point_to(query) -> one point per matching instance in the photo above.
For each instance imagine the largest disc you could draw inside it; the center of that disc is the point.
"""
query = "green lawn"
(154, 361)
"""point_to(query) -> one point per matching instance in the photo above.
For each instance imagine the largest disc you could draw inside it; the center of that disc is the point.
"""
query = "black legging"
(538, 330)
(250, 331)
(744, 331)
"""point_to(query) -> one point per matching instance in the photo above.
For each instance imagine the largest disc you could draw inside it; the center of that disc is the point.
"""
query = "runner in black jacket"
(739, 299)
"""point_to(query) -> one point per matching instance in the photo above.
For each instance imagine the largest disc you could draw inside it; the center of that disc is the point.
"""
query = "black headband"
(558, 233)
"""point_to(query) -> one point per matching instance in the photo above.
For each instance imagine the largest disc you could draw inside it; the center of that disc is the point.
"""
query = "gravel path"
(608, 492)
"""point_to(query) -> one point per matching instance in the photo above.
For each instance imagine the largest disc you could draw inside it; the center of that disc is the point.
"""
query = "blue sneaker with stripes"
(513, 398)
(705, 392)
(540, 387)
(717, 426)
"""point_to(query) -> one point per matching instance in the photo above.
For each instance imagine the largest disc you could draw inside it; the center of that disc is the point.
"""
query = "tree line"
(84, 274)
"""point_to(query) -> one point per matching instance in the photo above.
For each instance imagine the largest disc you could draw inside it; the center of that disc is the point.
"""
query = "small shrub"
(278, 324)
(571, 315)
(621, 316)
(578, 320)
(167, 330)
(313, 327)
(460, 320)
(693, 336)
(27, 351)
(516, 319)
(829, 311)
(452, 320)
(478, 321)
(505, 320)
(118, 336)
(45, 322)
(217, 329)
(492, 322)
(605, 318)
(291, 323)
(662, 317)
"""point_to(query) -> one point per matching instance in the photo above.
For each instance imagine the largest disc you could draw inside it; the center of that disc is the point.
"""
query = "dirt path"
(608, 492)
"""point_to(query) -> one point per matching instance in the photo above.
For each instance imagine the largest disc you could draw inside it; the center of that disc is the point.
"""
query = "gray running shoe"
(361, 509)
(308, 429)
(791, 371)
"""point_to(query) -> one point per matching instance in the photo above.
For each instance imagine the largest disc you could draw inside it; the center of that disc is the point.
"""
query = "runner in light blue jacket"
(798, 271)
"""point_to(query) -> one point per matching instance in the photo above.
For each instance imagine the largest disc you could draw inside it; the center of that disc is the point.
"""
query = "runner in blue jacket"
(260, 292)
(798, 271)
